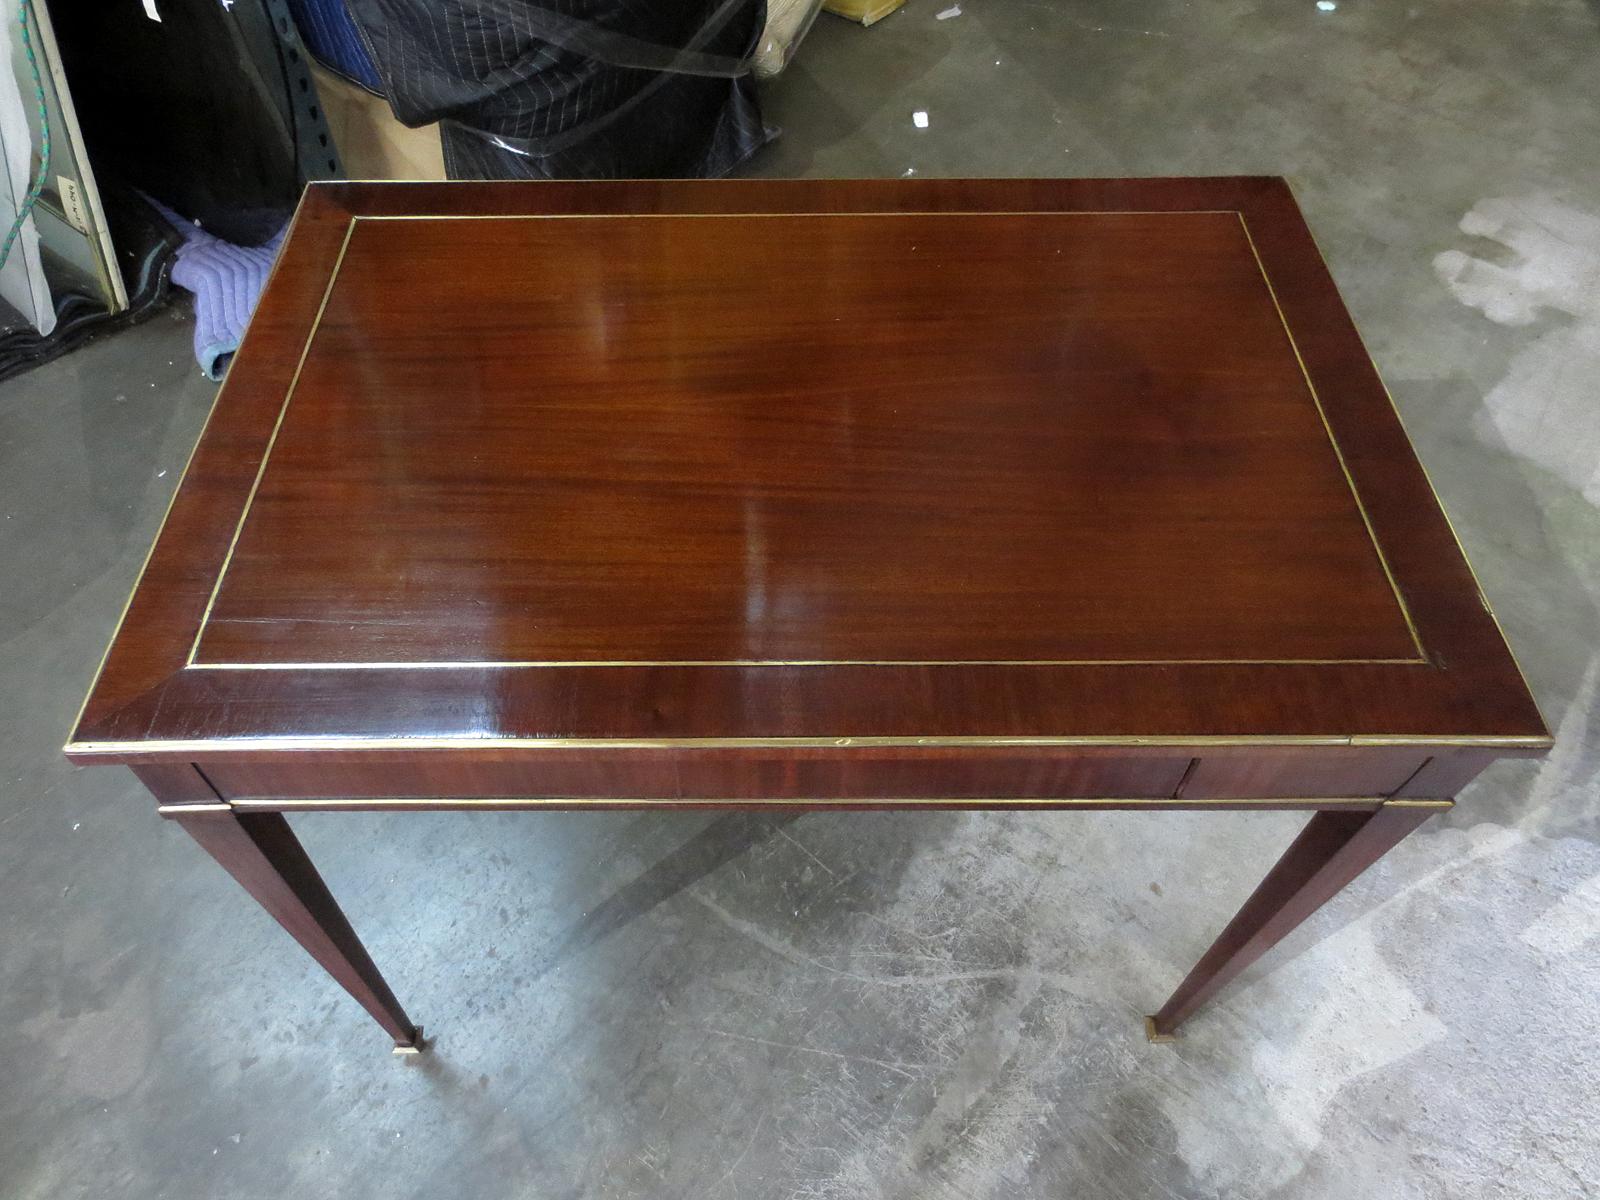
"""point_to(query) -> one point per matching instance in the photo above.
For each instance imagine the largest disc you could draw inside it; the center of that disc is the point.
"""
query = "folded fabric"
(331, 36)
(226, 281)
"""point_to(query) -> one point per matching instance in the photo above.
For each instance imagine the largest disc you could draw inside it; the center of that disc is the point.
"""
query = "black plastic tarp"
(581, 89)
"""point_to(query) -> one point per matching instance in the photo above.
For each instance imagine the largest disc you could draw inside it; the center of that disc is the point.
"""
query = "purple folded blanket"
(226, 281)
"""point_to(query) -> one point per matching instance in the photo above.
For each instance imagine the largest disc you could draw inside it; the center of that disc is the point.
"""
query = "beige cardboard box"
(865, 11)
(371, 142)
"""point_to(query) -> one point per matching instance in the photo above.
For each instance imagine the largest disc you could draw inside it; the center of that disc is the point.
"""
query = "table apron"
(895, 777)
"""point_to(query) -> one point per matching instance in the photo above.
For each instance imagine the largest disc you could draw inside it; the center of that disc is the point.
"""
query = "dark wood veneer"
(405, 523)
(685, 465)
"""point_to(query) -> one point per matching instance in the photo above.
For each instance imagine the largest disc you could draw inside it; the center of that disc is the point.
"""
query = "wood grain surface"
(921, 464)
(984, 437)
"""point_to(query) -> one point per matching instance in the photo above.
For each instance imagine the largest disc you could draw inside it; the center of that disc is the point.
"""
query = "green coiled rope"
(44, 138)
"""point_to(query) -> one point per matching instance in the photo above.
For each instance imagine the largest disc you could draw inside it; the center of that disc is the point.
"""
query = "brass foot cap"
(1151, 1034)
(414, 1047)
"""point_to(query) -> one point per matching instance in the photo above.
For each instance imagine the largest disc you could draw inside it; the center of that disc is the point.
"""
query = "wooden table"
(823, 495)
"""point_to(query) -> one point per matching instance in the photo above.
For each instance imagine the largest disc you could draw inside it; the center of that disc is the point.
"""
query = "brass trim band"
(498, 664)
(405, 744)
(511, 803)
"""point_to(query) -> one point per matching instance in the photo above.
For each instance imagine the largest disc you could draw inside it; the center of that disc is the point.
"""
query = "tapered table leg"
(262, 853)
(1331, 850)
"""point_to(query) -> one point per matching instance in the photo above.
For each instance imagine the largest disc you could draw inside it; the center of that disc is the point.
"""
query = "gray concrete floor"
(936, 1005)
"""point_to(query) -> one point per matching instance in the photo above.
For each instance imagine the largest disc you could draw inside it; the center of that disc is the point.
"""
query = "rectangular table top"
(1088, 461)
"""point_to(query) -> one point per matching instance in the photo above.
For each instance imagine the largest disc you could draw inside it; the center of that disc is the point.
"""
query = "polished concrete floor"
(938, 1005)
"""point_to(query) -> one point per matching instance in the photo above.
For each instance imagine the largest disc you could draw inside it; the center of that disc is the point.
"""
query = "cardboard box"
(372, 143)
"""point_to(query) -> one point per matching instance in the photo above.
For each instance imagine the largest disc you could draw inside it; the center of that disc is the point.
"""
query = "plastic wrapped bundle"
(576, 89)
(787, 22)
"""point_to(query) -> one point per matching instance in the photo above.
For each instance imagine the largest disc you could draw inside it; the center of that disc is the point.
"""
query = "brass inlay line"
(261, 470)
(191, 663)
(934, 212)
(1455, 536)
(490, 664)
(443, 803)
(1355, 494)
(508, 803)
(401, 744)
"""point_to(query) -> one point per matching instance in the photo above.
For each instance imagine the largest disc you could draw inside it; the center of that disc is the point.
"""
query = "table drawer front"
(1319, 771)
(758, 774)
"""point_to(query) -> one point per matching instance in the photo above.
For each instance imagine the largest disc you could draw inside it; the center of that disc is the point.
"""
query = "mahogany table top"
(1063, 461)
